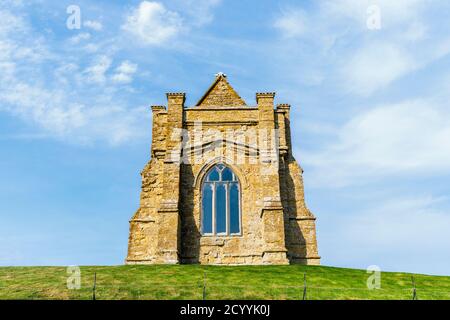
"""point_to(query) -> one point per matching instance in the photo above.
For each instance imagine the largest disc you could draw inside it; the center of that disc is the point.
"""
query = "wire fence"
(224, 292)
(96, 288)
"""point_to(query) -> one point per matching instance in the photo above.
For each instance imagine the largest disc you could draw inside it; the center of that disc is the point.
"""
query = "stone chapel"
(222, 185)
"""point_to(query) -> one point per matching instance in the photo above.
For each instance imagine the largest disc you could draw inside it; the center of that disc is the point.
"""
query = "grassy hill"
(240, 282)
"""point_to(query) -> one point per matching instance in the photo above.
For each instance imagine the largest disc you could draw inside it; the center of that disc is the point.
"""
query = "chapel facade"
(222, 185)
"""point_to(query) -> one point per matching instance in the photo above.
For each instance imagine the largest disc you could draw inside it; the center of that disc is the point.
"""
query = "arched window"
(221, 212)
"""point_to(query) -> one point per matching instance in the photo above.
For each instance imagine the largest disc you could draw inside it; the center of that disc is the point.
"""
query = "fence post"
(204, 286)
(95, 285)
(304, 286)
(414, 297)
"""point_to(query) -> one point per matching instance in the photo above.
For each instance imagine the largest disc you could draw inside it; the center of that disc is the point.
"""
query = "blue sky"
(368, 81)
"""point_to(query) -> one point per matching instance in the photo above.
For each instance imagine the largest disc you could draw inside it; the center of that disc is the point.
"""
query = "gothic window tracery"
(221, 212)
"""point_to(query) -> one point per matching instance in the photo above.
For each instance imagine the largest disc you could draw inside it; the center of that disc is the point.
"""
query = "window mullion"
(202, 209)
(213, 211)
(239, 207)
(227, 210)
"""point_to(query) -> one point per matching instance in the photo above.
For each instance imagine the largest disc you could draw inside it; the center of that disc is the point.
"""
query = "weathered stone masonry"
(276, 225)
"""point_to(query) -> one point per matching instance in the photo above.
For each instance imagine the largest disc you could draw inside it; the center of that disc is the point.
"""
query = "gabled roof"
(221, 94)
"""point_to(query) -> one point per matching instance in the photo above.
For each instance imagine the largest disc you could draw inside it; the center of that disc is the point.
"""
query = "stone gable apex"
(221, 94)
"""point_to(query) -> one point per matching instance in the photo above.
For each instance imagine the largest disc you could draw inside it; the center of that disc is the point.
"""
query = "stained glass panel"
(207, 208)
(221, 208)
(213, 175)
(234, 208)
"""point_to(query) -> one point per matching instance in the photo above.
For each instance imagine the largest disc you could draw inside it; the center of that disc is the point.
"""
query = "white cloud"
(60, 104)
(65, 72)
(332, 17)
(63, 116)
(127, 67)
(94, 25)
(399, 221)
(338, 13)
(200, 12)
(92, 47)
(43, 107)
(152, 23)
(375, 66)
(124, 72)
(10, 22)
(363, 61)
(11, 3)
(394, 139)
(402, 233)
(80, 37)
(59, 113)
(416, 31)
(96, 72)
(378, 63)
(292, 23)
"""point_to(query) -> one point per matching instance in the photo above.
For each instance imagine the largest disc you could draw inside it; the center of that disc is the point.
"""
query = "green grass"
(222, 282)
